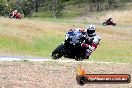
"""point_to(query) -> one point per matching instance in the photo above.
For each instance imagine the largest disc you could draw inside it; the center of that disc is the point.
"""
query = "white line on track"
(20, 58)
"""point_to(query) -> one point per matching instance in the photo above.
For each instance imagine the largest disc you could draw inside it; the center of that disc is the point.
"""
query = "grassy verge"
(113, 52)
(40, 37)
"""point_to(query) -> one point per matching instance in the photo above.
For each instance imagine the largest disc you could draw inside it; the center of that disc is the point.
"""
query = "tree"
(96, 5)
(56, 8)
(26, 6)
(3, 7)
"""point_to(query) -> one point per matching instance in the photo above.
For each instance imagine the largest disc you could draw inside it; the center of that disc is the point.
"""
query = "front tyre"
(58, 52)
(104, 23)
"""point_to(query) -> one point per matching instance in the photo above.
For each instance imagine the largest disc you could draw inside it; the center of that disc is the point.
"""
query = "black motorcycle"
(109, 23)
(17, 16)
(71, 47)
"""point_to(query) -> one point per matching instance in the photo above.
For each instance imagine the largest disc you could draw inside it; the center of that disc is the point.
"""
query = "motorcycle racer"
(109, 21)
(13, 14)
(78, 44)
(91, 41)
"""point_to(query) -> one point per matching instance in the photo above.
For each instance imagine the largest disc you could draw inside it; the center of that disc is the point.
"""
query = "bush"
(3, 7)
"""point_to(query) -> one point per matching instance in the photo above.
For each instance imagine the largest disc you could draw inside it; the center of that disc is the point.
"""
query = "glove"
(90, 48)
(84, 45)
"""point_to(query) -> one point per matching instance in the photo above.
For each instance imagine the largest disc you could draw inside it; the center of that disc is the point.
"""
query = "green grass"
(13, 44)
(42, 15)
(59, 20)
(43, 43)
(40, 46)
(108, 51)
(113, 52)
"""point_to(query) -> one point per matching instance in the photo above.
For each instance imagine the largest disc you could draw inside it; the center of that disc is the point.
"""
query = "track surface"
(67, 68)
(57, 74)
(39, 59)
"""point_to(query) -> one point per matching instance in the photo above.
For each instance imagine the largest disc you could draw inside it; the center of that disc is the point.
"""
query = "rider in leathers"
(91, 40)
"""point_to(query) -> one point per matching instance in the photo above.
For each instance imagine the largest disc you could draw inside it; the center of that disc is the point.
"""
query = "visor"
(90, 31)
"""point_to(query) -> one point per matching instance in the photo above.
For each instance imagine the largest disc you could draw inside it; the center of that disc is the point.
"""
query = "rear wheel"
(114, 24)
(10, 15)
(79, 58)
(58, 52)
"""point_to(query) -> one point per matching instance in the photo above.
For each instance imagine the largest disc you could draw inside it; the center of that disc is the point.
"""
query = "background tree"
(55, 8)
(4, 7)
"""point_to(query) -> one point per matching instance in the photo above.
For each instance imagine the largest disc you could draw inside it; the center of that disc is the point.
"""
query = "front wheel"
(58, 52)
(104, 23)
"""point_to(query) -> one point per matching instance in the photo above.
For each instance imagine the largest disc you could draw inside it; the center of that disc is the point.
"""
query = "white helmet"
(91, 29)
(15, 11)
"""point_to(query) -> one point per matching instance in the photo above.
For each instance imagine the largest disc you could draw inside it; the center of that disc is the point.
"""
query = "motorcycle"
(17, 16)
(71, 47)
(109, 23)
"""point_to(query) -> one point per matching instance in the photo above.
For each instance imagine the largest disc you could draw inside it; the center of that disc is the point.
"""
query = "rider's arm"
(96, 42)
(13, 14)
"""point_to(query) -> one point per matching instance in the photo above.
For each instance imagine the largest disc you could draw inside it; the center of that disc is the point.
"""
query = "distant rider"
(14, 13)
(109, 21)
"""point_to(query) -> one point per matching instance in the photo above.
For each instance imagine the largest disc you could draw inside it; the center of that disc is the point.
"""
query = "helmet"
(15, 11)
(91, 29)
(110, 18)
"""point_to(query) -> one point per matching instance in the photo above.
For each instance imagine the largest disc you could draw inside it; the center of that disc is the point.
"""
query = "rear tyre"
(10, 15)
(79, 58)
(114, 24)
